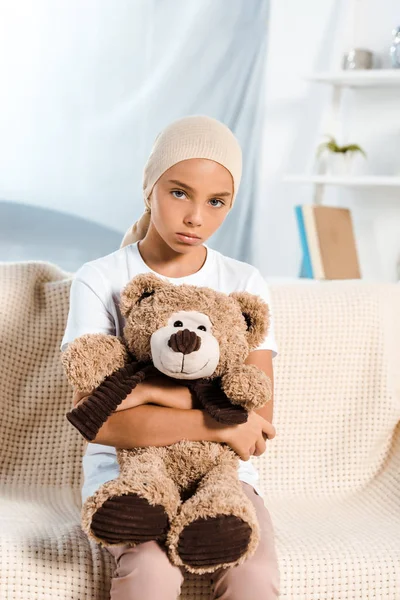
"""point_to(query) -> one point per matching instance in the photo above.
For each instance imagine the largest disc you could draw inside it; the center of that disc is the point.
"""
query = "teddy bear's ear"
(256, 314)
(140, 287)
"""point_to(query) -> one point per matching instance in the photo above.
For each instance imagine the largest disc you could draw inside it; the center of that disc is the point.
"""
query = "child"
(190, 182)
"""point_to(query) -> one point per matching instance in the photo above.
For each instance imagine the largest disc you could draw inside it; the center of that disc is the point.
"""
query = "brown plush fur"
(247, 386)
(163, 475)
(90, 361)
(224, 312)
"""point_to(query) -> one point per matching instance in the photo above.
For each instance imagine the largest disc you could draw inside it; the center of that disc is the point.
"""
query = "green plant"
(332, 146)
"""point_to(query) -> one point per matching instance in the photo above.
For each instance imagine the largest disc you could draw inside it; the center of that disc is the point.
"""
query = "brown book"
(331, 242)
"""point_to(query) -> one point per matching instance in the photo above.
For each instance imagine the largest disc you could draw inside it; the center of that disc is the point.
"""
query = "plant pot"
(340, 164)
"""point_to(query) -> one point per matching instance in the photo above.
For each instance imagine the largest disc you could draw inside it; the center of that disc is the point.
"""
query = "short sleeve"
(258, 286)
(87, 306)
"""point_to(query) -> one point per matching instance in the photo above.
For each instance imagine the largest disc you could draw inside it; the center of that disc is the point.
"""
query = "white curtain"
(90, 84)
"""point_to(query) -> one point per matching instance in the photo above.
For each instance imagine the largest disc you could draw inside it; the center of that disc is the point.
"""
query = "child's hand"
(248, 438)
(80, 397)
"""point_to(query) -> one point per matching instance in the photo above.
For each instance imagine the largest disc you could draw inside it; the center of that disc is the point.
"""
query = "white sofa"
(331, 476)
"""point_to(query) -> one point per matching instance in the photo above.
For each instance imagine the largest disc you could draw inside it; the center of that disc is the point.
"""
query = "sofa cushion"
(330, 476)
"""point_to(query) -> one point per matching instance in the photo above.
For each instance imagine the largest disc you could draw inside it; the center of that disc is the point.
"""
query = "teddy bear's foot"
(207, 543)
(135, 507)
(217, 527)
(129, 519)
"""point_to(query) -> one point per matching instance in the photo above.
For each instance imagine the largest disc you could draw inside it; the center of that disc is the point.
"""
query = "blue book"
(306, 266)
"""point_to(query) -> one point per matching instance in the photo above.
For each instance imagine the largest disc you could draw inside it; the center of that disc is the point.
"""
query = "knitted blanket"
(330, 477)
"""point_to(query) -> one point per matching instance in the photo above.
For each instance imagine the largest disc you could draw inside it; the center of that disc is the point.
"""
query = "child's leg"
(144, 572)
(258, 578)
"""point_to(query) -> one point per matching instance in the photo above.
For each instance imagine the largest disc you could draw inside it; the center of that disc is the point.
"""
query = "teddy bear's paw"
(90, 358)
(131, 510)
(208, 543)
(214, 400)
(248, 386)
(216, 528)
(93, 412)
(129, 519)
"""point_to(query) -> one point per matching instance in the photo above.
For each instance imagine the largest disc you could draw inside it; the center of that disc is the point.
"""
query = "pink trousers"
(144, 572)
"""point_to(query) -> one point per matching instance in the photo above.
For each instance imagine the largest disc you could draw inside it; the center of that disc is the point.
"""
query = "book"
(306, 266)
(328, 242)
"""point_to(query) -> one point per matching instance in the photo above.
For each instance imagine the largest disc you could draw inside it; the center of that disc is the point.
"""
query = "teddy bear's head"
(190, 332)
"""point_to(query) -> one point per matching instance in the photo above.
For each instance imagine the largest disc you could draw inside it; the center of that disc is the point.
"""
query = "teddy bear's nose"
(184, 341)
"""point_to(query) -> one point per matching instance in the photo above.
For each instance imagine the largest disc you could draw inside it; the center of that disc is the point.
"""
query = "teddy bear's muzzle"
(184, 341)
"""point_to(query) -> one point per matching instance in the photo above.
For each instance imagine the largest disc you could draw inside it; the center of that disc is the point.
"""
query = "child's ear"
(140, 287)
(256, 314)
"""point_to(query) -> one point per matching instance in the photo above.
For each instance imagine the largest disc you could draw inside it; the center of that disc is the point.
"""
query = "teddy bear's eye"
(145, 295)
(178, 324)
(202, 328)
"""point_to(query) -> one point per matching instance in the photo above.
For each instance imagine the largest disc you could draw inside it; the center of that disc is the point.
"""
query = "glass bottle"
(395, 48)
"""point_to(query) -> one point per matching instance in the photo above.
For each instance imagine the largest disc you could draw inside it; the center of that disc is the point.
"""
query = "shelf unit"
(338, 80)
(342, 82)
(366, 181)
(368, 78)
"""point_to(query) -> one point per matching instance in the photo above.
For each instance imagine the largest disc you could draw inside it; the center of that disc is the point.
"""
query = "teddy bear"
(186, 495)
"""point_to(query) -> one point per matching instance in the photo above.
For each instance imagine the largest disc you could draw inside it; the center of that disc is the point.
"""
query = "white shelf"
(359, 78)
(366, 181)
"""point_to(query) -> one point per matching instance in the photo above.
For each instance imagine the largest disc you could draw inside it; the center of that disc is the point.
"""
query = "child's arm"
(158, 390)
(162, 391)
(263, 360)
(151, 425)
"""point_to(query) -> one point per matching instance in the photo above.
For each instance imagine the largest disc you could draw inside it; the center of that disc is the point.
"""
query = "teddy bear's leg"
(135, 507)
(217, 527)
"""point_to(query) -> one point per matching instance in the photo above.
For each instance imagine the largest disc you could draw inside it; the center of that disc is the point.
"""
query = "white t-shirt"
(94, 308)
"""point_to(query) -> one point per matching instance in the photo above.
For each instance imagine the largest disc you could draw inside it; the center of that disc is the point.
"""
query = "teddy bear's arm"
(93, 412)
(248, 386)
(214, 400)
(92, 357)
(100, 362)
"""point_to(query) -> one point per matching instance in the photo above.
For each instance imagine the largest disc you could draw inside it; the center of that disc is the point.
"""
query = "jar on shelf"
(395, 49)
(358, 58)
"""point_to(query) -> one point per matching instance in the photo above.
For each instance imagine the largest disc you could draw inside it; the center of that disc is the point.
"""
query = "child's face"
(194, 197)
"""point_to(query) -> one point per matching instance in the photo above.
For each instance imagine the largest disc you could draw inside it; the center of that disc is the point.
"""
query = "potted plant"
(339, 159)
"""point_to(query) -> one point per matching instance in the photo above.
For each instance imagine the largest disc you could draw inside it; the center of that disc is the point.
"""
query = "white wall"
(88, 84)
(58, 150)
(69, 70)
(304, 38)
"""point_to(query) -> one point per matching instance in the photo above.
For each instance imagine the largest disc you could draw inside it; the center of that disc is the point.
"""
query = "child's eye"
(177, 192)
(217, 200)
